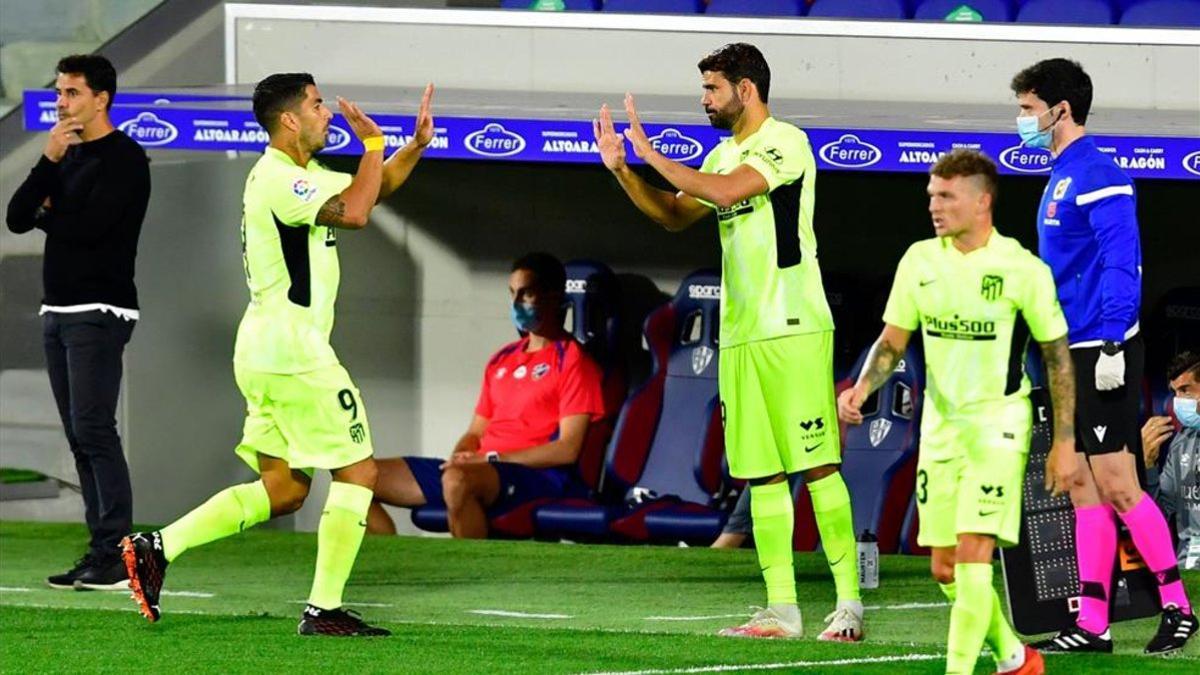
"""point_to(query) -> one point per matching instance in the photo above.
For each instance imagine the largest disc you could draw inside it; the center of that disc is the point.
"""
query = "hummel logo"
(1100, 431)
(926, 282)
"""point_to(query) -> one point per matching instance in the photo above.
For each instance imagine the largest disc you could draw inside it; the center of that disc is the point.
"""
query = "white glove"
(1110, 371)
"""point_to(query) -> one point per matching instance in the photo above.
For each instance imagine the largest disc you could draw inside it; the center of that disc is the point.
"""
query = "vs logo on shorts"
(993, 287)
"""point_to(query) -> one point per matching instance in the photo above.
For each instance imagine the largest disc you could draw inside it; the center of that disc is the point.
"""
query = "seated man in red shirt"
(538, 397)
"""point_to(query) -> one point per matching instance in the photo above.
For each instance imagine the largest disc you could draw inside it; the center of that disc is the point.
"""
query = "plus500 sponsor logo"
(494, 141)
(850, 152)
(674, 145)
(1026, 160)
(1191, 163)
(147, 129)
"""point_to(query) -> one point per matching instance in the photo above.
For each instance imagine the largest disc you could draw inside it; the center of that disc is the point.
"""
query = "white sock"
(787, 612)
(1013, 662)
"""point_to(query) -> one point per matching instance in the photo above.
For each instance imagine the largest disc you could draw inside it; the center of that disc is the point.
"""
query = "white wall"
(810, 58)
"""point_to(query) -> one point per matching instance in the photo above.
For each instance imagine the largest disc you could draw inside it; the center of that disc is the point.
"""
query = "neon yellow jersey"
(291, 266)
(770, 279)
(977, 312)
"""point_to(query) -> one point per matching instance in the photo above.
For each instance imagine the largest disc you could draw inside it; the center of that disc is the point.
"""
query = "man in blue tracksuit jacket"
(1088, 235)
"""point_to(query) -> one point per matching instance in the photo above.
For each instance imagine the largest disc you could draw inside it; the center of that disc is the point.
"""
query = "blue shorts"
(518, 483)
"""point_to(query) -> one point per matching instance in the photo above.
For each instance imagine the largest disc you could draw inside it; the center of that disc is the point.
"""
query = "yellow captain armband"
(373, 144)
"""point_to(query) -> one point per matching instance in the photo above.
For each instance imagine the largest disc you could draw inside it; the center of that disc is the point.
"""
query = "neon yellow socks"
(1000, 638)
(835, 521)
(772, 513)
(974, 606)
(228, 512)
(339, 535)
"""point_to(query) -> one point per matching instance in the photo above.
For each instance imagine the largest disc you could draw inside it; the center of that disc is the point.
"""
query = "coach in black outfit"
(88, 193)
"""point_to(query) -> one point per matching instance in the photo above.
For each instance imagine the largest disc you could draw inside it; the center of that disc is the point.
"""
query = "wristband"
(373, 144)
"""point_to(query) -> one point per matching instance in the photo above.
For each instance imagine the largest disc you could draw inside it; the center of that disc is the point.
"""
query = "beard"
(725, 118)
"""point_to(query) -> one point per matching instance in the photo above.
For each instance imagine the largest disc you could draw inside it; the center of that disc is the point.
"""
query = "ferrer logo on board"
(1026, 160)
(147, 129)
(1191, 163)
(494, 141)
(336, 138)
(672, 144)
(850, 152)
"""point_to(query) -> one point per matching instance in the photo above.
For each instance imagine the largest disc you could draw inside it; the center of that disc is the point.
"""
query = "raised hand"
(610, 144)
(363, 126)
(636, 135)
(423, 131)
(63, 135)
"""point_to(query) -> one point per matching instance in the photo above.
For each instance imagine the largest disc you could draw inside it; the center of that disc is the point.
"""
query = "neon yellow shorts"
(778, 405)
(970, 474)
(313, 420)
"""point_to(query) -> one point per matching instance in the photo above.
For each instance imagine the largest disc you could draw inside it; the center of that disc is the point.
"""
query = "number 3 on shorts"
(346, 398)
(922, 479)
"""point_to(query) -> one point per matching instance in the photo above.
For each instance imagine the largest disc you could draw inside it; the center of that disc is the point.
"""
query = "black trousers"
(84, 358)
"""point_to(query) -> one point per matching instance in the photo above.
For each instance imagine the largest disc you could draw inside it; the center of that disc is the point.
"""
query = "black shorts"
(1107, 421)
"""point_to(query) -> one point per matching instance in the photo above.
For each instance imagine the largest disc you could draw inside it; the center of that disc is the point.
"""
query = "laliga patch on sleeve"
(304, 190)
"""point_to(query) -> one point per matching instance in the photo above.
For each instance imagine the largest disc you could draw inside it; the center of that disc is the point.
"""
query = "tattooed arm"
(881, 362)
(1062, 466)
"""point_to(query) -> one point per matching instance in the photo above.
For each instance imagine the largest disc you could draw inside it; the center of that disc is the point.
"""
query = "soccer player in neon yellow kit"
(775, 373)
(978, 297)
(303, 411)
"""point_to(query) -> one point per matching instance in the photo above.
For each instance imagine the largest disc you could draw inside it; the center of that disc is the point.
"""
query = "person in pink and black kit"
(538, 396)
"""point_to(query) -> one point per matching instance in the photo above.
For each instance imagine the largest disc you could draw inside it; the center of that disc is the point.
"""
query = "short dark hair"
(96, 70)
(1184, 362)
(738, 61)
(1057, 80)
(277, 93)
(548, 272)
(964, 162)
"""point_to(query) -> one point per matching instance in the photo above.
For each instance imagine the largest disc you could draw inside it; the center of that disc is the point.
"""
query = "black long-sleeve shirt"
(98, 194)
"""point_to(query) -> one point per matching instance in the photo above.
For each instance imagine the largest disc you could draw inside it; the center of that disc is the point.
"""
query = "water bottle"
(868, 560)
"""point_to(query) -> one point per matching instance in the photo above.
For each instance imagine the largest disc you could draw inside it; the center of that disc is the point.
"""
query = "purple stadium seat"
(879, 456)
(860, 9)
(593, 299)
(666, 456)
(1080, 12)
(1172, 13)
(757, 7)
(990, 10)
(654, 6)
(570, 5)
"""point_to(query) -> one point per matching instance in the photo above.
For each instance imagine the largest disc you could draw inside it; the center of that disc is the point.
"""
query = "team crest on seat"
(701, 357)
(879, 430)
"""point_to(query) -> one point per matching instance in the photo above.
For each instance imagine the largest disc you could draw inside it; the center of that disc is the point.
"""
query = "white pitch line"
(518, 615)
(12, 589)
(696, 618)
(188, 594)
(910, 605)
(777, 666)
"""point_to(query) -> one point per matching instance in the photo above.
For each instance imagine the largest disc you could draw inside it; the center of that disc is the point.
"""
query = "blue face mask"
(1032, 135)
(524, 316)
(1185, 412)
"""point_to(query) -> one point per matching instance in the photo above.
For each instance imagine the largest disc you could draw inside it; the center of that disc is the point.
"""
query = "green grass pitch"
(479, 607)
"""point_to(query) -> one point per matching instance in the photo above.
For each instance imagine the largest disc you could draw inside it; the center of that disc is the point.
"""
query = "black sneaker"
(107, 574)
(1076, 639)
(147, 567)
(66, 580)
(1173, 631)
(337, 622)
